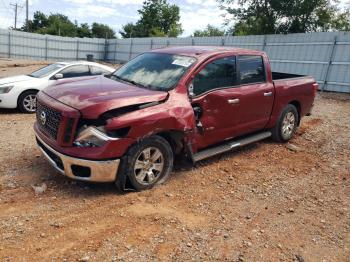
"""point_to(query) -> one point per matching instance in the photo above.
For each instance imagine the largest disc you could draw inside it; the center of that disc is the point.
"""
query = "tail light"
(315, 86)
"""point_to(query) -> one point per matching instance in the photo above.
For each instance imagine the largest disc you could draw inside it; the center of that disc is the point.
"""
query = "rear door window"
(220, 73)
(251, 69)
(75, 71)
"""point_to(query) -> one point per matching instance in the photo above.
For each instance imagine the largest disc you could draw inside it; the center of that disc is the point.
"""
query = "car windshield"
(47, 70)
(156, 71)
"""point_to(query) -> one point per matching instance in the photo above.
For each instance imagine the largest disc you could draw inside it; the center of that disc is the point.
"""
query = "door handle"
(268, 94)
(233, 101)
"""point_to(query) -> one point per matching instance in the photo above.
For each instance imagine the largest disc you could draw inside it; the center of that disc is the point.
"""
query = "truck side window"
(220, 73)
(75, 71)
(251, 69)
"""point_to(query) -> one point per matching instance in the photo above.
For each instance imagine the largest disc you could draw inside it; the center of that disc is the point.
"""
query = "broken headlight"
(92, 137)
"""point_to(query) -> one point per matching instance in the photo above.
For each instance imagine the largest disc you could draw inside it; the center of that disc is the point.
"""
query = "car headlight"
(5, 89)
(92, 137)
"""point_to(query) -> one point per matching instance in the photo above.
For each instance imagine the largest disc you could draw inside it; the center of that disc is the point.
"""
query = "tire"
(286, 124)
(27, 102)
(147, 163)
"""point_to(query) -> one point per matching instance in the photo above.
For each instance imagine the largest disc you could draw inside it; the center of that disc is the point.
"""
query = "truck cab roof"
(205, 51)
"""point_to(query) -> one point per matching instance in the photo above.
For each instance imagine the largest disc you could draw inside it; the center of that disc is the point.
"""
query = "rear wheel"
(148, 163)
(27, 101)
(286, 124)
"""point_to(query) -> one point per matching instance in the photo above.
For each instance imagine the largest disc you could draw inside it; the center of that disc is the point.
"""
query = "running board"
(229, 146)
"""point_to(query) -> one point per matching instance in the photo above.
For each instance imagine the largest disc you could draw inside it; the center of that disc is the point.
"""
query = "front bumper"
(80, 169)
(8, 100)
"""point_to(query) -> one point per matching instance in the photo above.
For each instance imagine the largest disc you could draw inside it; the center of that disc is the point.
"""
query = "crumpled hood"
(93, 96)
(15, 79)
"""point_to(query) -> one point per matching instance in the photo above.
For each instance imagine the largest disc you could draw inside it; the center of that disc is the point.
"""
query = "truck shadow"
(4, 111)
(78, 189)
(60, 185)
(186, 165)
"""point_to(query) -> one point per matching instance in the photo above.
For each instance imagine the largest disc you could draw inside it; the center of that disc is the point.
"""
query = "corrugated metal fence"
(15, 44)
(326, 56)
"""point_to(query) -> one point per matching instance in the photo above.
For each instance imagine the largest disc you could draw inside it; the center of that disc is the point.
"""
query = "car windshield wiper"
(130, 81)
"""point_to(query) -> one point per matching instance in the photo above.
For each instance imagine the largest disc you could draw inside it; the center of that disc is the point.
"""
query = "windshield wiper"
(119, 78)
(130, 81)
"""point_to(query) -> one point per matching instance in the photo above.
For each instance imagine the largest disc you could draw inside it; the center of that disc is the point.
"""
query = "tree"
(210, 30)
(83, 30)
(128, 30)
(59, 24)
(284, 16)
(39, 21)
(342, 21)
(158, 18)
(102, 31)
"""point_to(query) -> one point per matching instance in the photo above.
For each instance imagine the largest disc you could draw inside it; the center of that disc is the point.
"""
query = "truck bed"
(284, 76)
(293, 87)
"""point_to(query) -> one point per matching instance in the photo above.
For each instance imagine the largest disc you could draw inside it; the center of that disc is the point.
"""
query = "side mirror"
(58, 76)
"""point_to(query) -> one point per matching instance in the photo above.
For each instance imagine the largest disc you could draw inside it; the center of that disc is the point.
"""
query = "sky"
(195, 14)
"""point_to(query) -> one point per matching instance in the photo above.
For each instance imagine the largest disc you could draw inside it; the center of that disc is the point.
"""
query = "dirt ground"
(264, 202)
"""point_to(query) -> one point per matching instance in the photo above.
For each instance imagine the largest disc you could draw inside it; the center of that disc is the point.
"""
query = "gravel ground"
(264, 202)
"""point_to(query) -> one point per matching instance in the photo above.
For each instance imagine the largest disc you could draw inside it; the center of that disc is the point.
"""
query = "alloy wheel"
(149, 165)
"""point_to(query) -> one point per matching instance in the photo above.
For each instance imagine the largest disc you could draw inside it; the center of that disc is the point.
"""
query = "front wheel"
(27, 101)
(148, 163)
(286, 124)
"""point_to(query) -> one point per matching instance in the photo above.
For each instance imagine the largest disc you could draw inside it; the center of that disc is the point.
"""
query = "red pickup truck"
(127, 127)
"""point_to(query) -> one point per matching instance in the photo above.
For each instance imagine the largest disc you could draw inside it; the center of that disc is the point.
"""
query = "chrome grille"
(52, 119)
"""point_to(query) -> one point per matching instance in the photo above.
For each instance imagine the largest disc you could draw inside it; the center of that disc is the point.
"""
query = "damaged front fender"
(175, 114)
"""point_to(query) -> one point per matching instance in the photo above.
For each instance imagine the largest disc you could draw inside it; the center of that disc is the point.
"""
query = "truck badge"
(43, 118)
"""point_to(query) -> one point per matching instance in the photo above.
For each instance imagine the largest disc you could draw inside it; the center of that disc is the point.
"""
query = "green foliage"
(342, 21)
(83, 30)
(102, 31)
(158, 18)
(58, 24)
(256, 17)
(210, 30)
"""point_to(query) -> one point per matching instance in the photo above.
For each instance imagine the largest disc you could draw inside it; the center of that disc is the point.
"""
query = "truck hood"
(93, 96)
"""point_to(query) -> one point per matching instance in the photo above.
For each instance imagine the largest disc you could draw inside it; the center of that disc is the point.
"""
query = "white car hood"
(16, 79)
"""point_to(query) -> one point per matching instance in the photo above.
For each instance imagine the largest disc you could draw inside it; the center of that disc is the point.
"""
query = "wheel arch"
(174, 138)
(27, 90)
(297, 105)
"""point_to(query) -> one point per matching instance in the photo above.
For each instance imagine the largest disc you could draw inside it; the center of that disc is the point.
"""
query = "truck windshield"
(156, 71)
(47, 70)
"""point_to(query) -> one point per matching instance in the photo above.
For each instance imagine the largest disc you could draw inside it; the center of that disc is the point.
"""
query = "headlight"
(92, 137)
(5, 89)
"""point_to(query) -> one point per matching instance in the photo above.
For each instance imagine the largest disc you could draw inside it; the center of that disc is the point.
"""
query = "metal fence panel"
(208, 41)
(326, 56)
(16, 44)
(250, 42)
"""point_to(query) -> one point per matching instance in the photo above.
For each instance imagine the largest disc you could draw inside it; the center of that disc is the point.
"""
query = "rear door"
(256, 95)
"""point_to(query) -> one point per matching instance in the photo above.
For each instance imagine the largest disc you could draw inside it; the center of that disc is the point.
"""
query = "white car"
(20, 91)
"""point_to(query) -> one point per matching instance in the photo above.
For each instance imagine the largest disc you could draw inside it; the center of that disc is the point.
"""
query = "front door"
(215, 100)
(71, 72)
